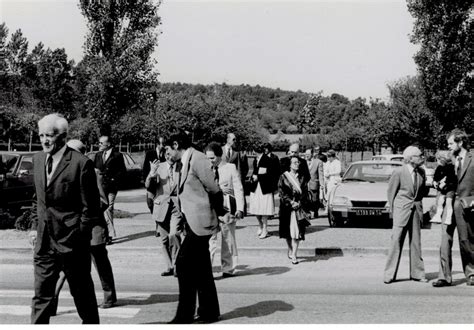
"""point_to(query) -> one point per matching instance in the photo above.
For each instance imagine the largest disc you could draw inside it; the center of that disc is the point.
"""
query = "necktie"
(171, 174)
(104, 156)
(459, 169)
(229, 153)
(216, 173)
(49, 164)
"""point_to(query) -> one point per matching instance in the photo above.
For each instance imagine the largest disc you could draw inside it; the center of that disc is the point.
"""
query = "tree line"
(115, 90)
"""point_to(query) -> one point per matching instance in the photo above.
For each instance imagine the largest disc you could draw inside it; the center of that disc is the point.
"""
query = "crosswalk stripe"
(116, 312)
(65, 294)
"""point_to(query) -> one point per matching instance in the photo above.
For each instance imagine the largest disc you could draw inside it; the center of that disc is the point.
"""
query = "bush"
(7, 221)
(23, 222)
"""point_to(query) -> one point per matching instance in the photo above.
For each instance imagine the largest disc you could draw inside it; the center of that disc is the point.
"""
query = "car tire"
(334, 221)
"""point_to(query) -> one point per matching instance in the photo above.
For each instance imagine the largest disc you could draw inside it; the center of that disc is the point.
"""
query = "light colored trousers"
(413, 228)
(109, 214)
(228, 244)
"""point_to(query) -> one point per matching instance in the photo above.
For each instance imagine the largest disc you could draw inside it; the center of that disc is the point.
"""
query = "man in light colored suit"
(315, 166)
(66, 208)
(231, 155)
(228, 179)
(200, 201)
(406, 190)
(463, 219)
(164, 177)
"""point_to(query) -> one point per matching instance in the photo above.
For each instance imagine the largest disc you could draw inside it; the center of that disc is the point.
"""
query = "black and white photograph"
(237, 162)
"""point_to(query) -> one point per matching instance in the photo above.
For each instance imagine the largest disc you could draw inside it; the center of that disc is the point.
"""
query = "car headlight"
(341, 200)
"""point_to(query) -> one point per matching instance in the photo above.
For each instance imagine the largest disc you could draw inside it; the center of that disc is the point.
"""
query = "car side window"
(26, 164)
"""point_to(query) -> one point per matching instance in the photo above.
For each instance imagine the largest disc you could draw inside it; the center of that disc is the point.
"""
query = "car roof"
(18, 153)
(382, 162)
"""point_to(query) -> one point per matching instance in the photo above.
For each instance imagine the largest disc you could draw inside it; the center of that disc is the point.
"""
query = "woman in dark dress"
(293, 207)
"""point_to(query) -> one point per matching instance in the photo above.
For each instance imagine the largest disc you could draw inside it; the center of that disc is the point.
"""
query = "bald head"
(413, 155)
(294, 149)
(77, 145)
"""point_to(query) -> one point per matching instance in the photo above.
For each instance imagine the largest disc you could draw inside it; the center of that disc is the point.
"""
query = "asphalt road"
(347, 289)
(342, 285)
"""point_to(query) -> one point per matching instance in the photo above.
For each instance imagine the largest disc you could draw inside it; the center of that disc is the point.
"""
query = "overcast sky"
(349, 47)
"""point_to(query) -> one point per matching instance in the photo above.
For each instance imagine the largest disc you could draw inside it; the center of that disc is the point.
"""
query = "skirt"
(261, 204)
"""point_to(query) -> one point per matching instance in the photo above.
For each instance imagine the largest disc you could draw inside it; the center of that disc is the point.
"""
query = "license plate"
(368, 212)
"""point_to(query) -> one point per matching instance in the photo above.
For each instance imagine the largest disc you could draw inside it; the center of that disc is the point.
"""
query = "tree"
(444, 30)
(118, 61)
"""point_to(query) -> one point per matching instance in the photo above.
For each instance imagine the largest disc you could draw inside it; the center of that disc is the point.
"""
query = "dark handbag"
(467, 202)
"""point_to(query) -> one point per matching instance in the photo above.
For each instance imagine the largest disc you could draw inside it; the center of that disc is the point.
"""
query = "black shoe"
(205, 320)
(226, 275)
(53, 307)
(422, 280)
(107, 305)
(470, 281)
(178, 320)
(389, 281)
(169, 272)
(441, 283)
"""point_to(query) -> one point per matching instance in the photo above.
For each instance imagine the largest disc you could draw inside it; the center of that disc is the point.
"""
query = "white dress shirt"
(56, 159)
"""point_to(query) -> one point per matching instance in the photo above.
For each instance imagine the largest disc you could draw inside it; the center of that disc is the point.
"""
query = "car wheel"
(333, 221)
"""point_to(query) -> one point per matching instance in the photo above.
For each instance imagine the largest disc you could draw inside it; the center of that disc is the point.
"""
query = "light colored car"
(362, 193)
(394, 157)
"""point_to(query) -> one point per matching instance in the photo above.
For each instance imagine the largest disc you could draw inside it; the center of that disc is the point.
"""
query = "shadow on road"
(132, 237)
(153, 299)
(244, 270)
(130, 199)
(259, 309)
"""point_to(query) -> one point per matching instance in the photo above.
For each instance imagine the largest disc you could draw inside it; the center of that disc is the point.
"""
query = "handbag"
(467, 202)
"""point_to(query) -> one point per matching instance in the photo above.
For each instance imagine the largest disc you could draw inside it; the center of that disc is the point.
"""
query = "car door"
(18, 187)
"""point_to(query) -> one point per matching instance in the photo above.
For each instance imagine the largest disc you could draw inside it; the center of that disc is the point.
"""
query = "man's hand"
(226, 189)
(32, 238)
(239, 215)
(154, 167)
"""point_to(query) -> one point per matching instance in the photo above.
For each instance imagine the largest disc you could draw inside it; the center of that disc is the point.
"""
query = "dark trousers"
(104, 269)
(77, 267)
(194, 270)
(464, 222)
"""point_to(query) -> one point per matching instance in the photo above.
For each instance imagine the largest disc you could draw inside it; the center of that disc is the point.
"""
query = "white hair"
(409, 152)
(76, 145)
(55, 120)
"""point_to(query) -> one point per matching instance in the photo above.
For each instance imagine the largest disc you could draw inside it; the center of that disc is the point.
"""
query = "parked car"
(133, 174)
(362, 193)
(394, 157)
(16, 181)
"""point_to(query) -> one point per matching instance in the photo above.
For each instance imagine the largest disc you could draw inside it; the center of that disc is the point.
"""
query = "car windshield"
(370, 172)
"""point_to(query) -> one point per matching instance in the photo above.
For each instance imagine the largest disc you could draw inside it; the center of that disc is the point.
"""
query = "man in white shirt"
(228, 179)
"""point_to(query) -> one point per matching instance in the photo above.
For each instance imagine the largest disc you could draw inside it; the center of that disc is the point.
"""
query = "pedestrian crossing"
(66, 305)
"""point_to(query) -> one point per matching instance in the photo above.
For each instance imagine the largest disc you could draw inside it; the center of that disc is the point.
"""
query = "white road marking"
(116, 312)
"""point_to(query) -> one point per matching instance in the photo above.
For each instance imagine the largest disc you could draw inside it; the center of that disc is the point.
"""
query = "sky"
(350, 47)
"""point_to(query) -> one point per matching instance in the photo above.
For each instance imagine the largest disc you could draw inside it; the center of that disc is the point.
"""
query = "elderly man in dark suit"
(66, 208)
(463, 218)
(111, 166)
(316, 172)
(406, 189)
(200, 201)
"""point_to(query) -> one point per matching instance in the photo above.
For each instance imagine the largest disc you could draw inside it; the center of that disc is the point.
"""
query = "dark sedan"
(16, 180)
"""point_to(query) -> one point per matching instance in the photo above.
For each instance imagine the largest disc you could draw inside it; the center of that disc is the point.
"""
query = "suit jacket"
(267, 177)
(316, 173)
(302, 171)
(275, 169)
(112, 171)
(466, 177)
(230, 177)
(65, 211)
(199, 195)
(164, 189)
(403, 197)
(100, 232)
(239, 160)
